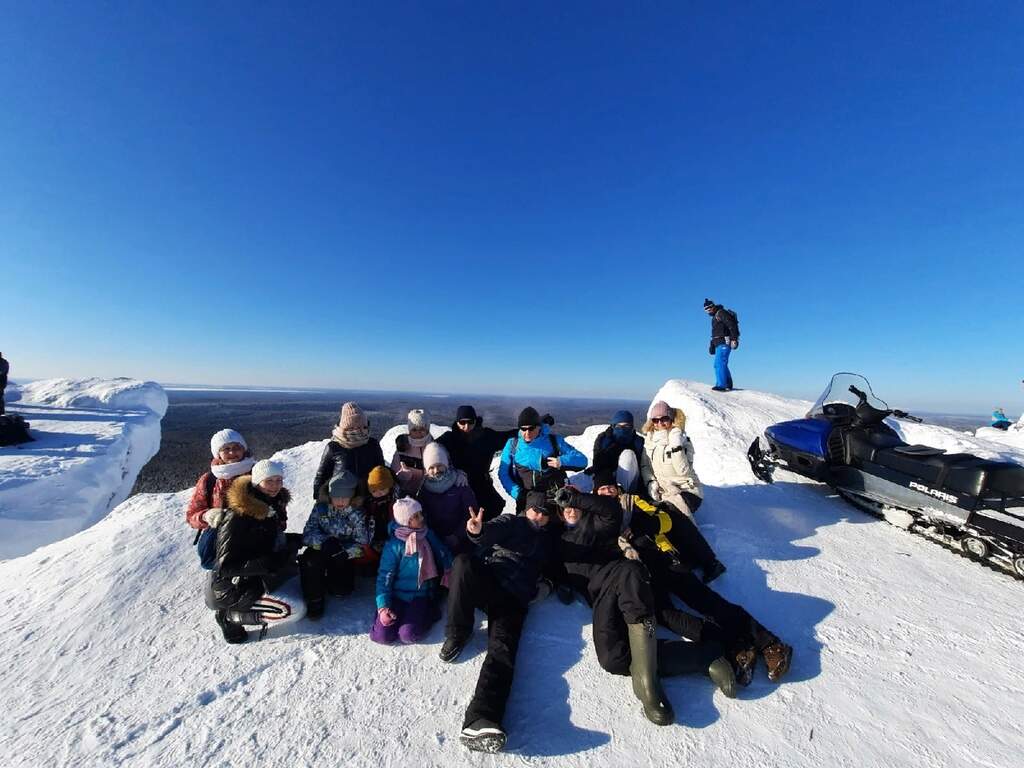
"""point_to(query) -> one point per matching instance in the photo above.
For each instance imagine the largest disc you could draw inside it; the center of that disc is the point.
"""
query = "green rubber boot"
(643, 668)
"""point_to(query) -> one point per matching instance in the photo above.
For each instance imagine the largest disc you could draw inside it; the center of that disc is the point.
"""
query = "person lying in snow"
(608, 573)
(253, 554)
(337, 540)
(411, 566)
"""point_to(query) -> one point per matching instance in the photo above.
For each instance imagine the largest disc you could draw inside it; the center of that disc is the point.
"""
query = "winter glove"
(213, 516)
(711, 348)
(461, 478)
(628, 549)
(734, 343)
(654, 490)
(548, 419)
(354, 551)
(386, 616)
(564, 497)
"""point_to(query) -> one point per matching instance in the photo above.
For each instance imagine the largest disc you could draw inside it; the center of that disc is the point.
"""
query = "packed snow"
(905, 655)
(92, 438)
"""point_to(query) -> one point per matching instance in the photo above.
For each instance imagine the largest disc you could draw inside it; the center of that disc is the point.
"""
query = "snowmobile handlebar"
(897, 413)
(907, 416)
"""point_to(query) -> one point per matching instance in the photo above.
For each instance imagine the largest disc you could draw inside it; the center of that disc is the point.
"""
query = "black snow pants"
(694, 550)
(322, 572)
(471, 586)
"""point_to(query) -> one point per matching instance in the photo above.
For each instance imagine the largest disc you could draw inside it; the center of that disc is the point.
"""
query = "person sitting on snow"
(351, 448)
(254, 556)
(411, 566)
(999, 420)
(669, 473)
(407, 463)
(337, 539)
(446, 498)
(536, 459)
(500, 578)
(606, 570)
(620, 449)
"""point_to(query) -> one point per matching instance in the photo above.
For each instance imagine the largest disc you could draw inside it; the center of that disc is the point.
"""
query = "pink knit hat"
(404, 509)
(352, 417)
(660, 410)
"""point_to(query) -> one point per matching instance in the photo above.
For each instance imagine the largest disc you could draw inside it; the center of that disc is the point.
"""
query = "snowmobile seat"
(918, 450)
(863, 446)
(933, 468)
(1005, 479)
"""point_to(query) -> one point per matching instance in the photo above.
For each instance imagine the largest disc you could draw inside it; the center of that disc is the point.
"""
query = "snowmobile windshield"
(838, 391)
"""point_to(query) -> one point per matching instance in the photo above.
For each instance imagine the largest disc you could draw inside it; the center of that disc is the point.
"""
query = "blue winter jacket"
(399, 573)
(998, 417)
(531, 455)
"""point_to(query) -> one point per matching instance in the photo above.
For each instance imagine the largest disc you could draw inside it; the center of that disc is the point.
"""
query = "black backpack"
(735, 319)
(14, 429)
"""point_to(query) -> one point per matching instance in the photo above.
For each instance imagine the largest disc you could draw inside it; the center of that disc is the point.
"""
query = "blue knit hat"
(622, 417)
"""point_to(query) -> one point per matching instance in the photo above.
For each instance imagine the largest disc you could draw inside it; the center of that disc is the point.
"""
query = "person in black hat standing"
(5, 368)
(725, 337)
(471, 447)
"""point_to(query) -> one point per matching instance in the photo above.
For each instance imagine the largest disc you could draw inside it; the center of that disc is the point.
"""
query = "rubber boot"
(643, 668)
(678, 658)
(233, 632)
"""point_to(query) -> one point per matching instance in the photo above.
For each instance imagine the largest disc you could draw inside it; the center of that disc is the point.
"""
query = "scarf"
(226, 471)
(419, 442)
(351, 438)
(440, 484)
(659, 436)
(416, 542)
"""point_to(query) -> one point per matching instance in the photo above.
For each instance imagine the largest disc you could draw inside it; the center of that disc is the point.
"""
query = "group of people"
(432, 529)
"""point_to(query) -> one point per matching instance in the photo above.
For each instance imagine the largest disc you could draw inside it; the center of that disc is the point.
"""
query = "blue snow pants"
(722, 376)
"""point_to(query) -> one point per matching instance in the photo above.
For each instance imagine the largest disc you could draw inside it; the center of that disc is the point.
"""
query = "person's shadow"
(538, 718)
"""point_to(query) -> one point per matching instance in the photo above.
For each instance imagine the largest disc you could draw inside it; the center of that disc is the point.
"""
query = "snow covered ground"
(905, 654)
(92, 438)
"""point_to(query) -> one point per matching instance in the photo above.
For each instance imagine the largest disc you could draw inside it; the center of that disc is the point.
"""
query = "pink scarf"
(416, 541)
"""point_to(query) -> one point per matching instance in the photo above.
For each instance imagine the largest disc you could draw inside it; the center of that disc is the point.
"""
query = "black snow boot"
(643, 668)
(314, 608)
(452, 647)
(483, 736)
(233, 633)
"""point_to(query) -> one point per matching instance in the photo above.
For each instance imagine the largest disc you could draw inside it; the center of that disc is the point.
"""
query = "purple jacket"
(446, 514)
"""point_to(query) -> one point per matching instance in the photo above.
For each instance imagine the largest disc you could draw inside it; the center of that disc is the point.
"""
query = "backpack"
(206, 539)
(557, 474)
(735, 319)
(14, 430)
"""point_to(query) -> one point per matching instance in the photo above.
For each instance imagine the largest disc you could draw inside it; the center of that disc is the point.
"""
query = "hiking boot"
(483, 736)
(452, 647)
(713, 571)
(643, 668)
(314, 608)
(743, 665)
(721, 673)
(233, 633)
(777, 658)
(719, 389)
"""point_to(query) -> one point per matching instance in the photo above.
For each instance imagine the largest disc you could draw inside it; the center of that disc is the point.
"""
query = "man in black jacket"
(500, 579)
(725, 337)
(471, 447)
(607, 571)
(4, 370)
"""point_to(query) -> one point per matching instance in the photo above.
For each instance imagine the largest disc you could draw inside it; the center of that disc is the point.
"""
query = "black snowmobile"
(975, 505)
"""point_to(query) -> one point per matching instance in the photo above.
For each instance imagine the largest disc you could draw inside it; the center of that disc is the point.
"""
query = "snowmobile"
(965, 502)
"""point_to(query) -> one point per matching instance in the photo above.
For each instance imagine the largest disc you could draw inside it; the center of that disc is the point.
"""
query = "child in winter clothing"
(351, 448)
(412, 563)
(669, 473)
(407, 463)
(381, 485)
(445, 502)
(253, 554)
(337, 539)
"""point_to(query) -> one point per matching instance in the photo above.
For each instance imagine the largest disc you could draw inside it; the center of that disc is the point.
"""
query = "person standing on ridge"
(5, 368)
(725, 337)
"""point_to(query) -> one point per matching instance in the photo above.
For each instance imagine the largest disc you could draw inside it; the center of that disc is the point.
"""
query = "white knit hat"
(222, 438)
(418, 418)
(266, 468)
(403, 510)
(434, 453)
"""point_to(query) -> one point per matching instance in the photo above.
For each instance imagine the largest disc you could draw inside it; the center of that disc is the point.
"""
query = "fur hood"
(679, 421)
(244, 502)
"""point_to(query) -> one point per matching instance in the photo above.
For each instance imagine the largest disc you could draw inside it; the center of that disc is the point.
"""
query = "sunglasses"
(528, 429)
(465, 422)
(662, 420)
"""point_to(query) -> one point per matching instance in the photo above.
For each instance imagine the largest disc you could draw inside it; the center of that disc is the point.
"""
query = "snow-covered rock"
(905, 654)
(92, 438)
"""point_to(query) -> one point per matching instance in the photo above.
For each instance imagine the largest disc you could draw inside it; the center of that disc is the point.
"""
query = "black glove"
(548, 419)
(564, 497)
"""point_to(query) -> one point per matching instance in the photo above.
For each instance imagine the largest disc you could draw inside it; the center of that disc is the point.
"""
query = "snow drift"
(92, 438)
(904, 654)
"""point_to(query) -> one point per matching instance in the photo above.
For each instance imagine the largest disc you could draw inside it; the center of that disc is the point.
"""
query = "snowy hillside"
(93, 436)
(904, 654)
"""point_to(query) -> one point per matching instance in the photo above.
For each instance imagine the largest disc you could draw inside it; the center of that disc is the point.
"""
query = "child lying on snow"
(411, 565)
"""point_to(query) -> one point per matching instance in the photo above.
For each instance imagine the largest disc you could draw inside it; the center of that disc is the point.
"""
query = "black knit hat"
(603, 477)
(708, 304)
(539, 500)
(465, 412)
(528, 417)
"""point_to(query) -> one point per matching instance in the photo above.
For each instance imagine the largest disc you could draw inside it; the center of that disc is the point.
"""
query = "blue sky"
(516, 197)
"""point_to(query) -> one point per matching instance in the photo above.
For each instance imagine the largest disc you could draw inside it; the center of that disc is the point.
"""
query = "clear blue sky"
(516, 197)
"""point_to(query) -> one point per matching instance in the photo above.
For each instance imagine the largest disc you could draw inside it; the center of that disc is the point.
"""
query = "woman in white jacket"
(670, 475)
